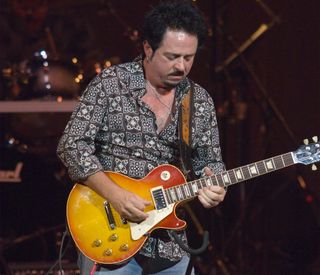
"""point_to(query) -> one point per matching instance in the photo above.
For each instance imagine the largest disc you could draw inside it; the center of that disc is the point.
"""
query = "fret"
(284, 165)
(183, 192)
(203, 182)
(199, 184)
(261, 167)
(253, 170)
(194, 187)
(219, 180)
(239, 174)
(214, 180)
(288, 159)
(245, 172)
(226, 179)
(232, 176)
(208, 181)
(278, 162)
(179, 192)
(190, 188)
(176, 191)
(168, 197)
(186, 190)
(173, 194)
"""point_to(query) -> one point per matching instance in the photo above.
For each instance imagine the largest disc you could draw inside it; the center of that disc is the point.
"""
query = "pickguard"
(155, 216)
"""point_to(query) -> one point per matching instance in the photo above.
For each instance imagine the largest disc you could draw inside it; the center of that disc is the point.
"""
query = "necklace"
(158, 98)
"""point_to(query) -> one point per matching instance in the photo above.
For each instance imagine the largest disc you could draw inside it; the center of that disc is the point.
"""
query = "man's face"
(173, 60)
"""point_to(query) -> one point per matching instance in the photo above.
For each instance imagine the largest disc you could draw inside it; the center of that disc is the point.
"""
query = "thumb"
(208, 171)
(146, 203)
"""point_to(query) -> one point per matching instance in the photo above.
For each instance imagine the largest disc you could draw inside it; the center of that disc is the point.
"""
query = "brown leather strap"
(186, 118)
(185, 132)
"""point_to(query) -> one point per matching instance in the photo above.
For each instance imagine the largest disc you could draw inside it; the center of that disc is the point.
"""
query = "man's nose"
(179, 64)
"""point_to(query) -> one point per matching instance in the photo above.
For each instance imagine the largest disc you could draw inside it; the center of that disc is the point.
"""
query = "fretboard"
(190, 189)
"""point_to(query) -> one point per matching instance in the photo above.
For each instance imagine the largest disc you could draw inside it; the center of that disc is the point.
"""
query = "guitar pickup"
(158, 197)
(110, 217)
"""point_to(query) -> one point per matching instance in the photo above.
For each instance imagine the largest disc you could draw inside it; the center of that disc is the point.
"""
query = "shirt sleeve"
(206, 149)
(76, 147)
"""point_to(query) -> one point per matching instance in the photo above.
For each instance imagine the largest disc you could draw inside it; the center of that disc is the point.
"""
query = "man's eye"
(171, 57)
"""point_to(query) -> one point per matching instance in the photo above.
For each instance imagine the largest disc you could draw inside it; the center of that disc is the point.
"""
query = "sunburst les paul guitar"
(105, 237)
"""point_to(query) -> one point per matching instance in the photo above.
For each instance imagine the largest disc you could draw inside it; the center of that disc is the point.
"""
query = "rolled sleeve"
(206, 145)
(76, 147)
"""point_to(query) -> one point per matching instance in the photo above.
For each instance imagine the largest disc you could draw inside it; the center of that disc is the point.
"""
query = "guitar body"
(99, 231)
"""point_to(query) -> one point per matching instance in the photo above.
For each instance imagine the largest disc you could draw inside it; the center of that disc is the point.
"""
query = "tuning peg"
(314, 167)
(315, 138)
(306, 141)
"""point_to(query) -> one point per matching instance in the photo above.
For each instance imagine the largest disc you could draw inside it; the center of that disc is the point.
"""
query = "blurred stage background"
(261, 65)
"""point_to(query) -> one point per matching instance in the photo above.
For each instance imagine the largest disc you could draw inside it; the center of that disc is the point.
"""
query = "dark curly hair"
(173, 15)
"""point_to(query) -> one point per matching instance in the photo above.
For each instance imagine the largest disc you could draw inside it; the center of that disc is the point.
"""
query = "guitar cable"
(61, 253)
(192, 251)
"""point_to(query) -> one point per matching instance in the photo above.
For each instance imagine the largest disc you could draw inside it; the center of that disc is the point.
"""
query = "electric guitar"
(105, 237)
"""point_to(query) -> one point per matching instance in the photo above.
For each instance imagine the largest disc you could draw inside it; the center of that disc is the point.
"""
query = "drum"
(41, 76)
(42, 79)
(53, 78)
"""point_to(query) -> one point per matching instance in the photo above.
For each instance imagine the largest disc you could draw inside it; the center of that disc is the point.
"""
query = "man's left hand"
(211, 196)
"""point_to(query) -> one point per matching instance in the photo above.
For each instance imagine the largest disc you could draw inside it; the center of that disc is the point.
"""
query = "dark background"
(267, 100)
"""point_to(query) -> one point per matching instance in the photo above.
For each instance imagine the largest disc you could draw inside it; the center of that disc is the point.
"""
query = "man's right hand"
(129, 205)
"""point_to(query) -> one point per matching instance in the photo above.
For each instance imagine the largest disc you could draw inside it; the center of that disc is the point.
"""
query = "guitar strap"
(185, 132)
(185, 142)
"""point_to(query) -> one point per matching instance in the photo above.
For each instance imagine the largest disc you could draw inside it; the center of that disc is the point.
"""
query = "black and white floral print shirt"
(113, 129)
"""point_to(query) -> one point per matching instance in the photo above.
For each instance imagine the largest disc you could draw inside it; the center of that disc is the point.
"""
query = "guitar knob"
(97, 243)
(306, 141)
(113, 237)
(314, 167)
(124, 247)
(315, 138)
(107, 252)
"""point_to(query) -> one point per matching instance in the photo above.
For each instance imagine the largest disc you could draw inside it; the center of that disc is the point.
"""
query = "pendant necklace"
(158, 98)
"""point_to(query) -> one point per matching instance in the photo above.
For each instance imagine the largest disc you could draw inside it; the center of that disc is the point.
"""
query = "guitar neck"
(189, 190)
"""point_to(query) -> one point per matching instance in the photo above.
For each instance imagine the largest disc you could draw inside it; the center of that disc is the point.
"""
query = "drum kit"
(42, 77)
(39, 79)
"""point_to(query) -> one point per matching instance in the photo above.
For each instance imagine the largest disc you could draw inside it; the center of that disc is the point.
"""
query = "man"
(127, 121)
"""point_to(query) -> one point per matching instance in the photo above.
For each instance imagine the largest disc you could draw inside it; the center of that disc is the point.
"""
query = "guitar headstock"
(308, 153)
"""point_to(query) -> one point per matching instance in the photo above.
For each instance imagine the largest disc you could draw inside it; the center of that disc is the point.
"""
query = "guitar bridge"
(159, 197)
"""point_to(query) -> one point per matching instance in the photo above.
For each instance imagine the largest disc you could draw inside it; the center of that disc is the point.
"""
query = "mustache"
(177, 73)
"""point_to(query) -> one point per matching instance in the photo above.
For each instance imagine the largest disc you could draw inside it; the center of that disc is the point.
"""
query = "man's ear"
(147, 50)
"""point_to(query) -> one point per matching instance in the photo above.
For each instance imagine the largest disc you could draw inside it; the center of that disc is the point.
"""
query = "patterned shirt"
(113, 129)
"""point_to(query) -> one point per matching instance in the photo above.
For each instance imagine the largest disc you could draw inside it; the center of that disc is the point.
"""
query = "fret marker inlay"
(208, 181)
(253, 170)
(269, 165)
(173, 195)
(194, 187)
(226, 178)
(238, 174)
